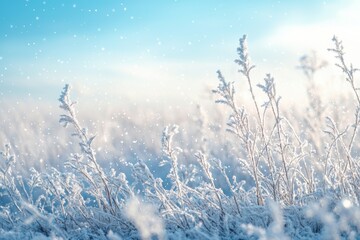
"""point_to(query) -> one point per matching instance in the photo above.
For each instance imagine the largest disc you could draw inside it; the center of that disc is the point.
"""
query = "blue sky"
(153, 49)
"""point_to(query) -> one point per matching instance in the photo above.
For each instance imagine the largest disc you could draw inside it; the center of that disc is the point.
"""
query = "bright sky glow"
(159, 49)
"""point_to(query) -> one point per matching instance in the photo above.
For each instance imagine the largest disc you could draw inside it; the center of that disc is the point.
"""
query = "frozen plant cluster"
(298, 185)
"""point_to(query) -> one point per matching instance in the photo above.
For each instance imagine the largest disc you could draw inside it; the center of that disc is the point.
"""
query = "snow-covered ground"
(230, 171)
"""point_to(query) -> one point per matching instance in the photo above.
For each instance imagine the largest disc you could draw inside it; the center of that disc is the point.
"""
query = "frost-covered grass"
(273, 174)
